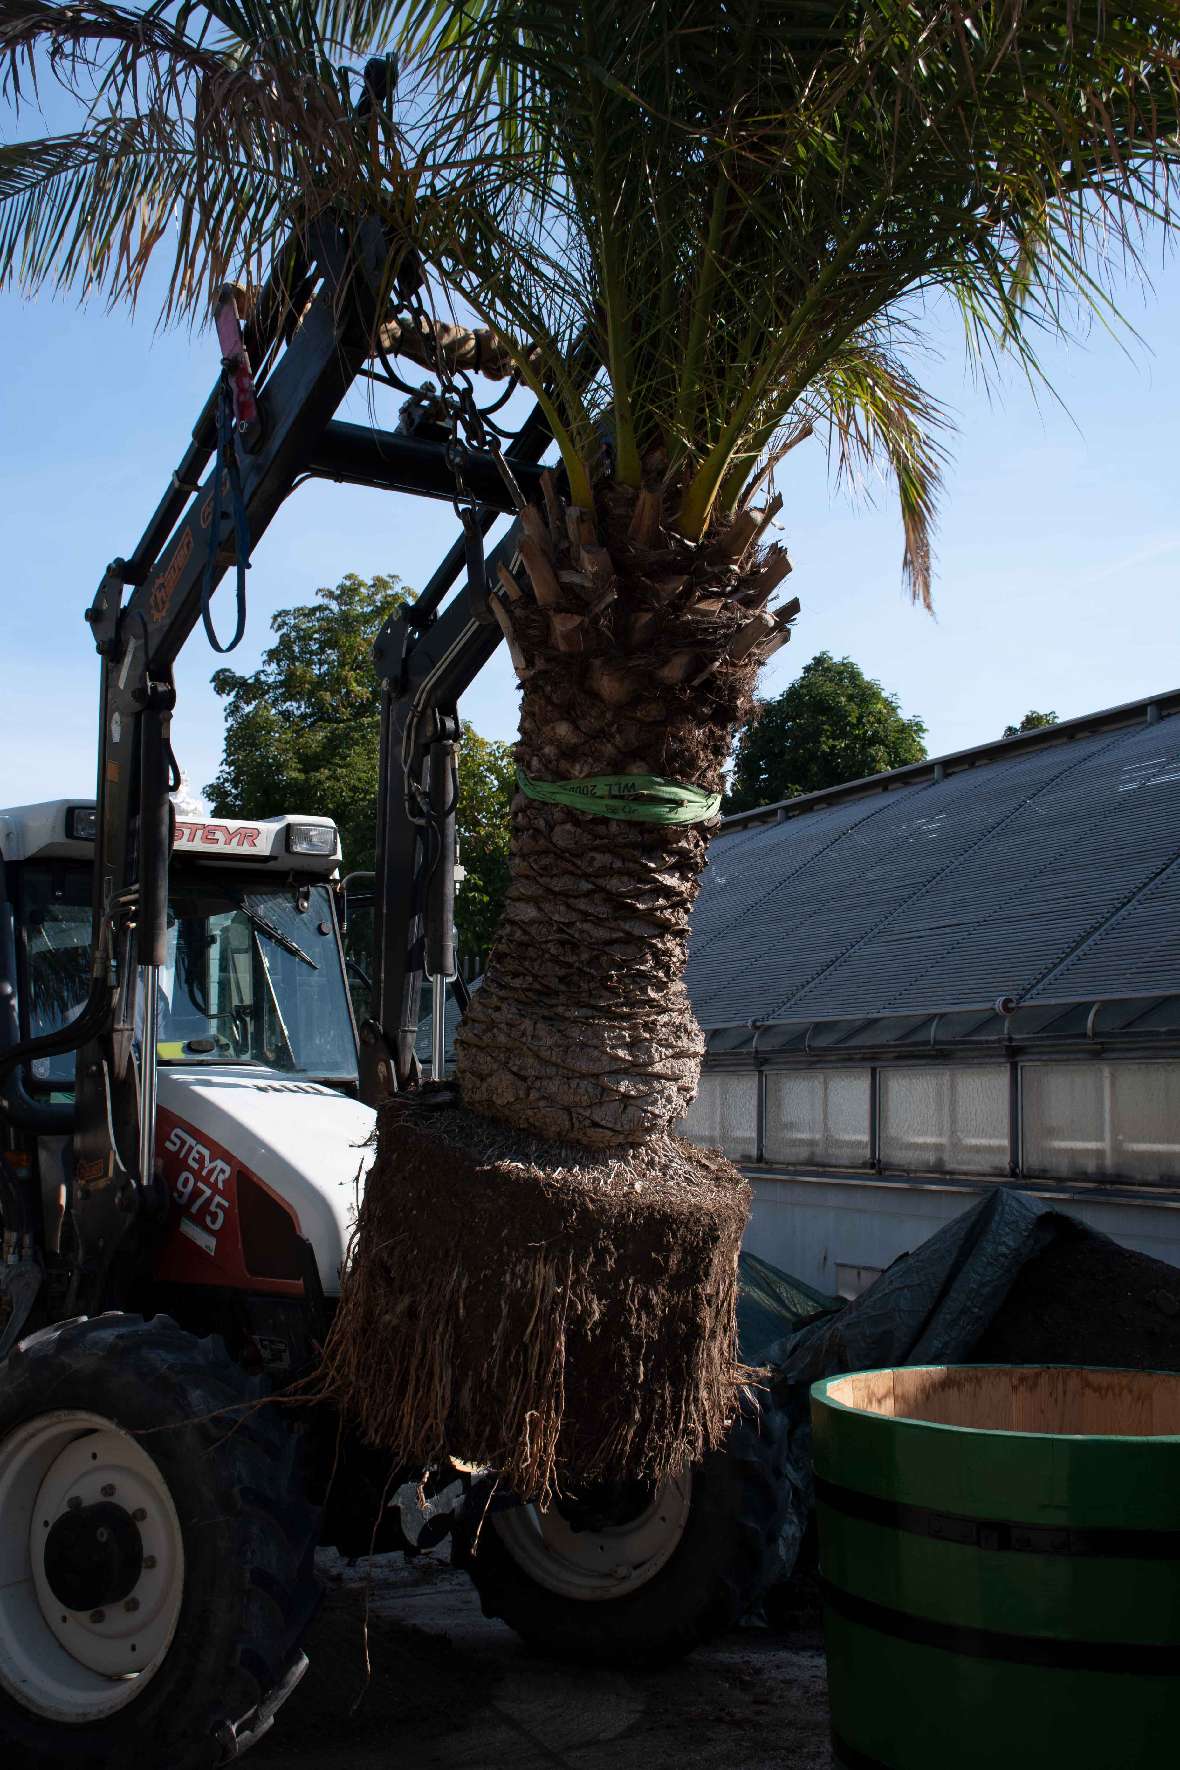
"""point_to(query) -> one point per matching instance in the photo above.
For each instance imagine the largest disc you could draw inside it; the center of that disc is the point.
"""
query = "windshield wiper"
(274, 1001)
(275, 934)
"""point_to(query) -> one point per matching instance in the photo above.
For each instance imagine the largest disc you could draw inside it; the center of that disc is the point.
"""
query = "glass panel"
(1102, 1120)
(255, 977)
(252, 973)
(1145, 1101)
(55, 911)
(945, 1120)
(981, 1111)
(724, 1115)
(818, 1116)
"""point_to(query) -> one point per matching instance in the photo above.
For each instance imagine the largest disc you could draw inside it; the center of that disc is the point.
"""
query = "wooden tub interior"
(1021, 1398)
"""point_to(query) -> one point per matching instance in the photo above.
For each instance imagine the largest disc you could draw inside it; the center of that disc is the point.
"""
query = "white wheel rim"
(82, 1664)
(597, 1565)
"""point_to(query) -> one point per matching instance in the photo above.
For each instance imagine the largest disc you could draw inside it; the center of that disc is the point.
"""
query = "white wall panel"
(819, 1116)
(1094, 1120)
(950, 1119)
(724, 1115)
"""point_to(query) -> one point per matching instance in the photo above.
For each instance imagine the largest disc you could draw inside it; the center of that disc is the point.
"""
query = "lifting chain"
(466, 432)
(457, 409)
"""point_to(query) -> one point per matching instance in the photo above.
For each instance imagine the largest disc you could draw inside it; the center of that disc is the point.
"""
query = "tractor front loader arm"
(251, 446)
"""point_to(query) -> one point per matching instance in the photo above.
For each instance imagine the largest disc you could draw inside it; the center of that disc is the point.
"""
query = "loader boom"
(283, 431)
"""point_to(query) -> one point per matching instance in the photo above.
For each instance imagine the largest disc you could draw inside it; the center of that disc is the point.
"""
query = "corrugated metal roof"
(1049, 871)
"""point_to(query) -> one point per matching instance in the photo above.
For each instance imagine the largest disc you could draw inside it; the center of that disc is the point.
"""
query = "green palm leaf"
(728, 201)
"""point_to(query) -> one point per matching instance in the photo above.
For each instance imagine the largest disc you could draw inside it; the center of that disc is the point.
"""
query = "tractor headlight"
(81, 823)
(311, 839)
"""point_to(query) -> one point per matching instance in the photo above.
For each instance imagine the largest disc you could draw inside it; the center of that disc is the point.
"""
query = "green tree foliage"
(1032, 721)
(833, 724)
(301, 731)
(487, 780)
(302, 734)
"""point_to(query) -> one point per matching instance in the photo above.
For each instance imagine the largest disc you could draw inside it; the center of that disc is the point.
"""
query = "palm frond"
(728, 202)
(880, 416)
(212, 133)
(748, 188)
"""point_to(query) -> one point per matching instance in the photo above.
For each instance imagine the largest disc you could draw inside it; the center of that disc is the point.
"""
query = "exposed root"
(539, 1308)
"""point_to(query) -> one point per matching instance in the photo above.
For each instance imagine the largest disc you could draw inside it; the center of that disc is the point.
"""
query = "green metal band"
(1051, 1652)
(1005, 1535)
(1087, 1597)
(634, 798)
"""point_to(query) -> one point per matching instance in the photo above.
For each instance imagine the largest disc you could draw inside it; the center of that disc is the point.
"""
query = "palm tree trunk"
(582, 1029)
(545, 1276)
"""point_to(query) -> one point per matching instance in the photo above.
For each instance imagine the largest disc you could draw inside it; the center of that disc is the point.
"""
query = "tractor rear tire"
(647, 1587)
(152, 1516)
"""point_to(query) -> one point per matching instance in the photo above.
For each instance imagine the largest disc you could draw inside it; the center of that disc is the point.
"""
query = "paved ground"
(448, 1690)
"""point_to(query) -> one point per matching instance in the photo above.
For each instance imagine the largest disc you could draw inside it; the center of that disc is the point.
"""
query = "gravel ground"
(448, 1690)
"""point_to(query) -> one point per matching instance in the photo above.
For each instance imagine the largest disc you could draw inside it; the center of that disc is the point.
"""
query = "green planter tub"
(1000, 1554)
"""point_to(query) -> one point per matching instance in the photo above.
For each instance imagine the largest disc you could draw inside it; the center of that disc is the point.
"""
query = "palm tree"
(740, 209)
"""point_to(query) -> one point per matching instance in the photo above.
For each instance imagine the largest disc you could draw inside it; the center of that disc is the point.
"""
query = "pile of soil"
(1086, 1300)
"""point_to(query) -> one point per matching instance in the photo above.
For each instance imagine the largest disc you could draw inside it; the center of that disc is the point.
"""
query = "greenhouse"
(960, 974)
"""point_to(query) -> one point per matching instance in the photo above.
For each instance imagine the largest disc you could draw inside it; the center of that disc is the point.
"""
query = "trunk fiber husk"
(543, 1277)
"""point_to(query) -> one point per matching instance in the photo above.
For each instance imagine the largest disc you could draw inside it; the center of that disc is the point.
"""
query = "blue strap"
(227, 465)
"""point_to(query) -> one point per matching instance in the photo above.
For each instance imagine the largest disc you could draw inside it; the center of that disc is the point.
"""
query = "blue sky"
(1058, 554)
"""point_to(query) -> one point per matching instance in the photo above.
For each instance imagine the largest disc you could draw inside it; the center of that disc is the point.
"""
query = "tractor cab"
(254, 973)
(259, 1136)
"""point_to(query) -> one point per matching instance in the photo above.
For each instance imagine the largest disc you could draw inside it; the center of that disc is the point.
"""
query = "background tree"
(302, 734)
(832, 724)
(301, 730)
(1032, 721)
(487, 779)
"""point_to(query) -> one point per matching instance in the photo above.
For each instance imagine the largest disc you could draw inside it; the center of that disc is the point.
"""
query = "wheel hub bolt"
(131, 1604)
(74, 1504)
(108, 1492)
(139, 1514)
(97, 1616)
(149, 1561)
(104, 1536)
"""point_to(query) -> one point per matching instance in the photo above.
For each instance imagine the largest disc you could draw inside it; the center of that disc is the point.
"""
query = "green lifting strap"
(636, 798)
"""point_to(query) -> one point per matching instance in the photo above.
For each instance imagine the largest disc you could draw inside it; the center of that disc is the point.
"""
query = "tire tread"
(716, 1576)
(247, 1608)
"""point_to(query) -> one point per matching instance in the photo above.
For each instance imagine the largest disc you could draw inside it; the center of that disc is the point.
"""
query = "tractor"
(186, 1105)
